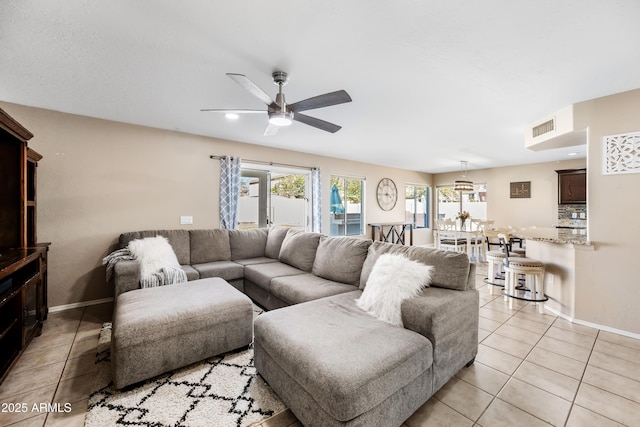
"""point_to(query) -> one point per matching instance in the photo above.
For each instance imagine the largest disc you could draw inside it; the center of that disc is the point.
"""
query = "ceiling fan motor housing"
(280, 78)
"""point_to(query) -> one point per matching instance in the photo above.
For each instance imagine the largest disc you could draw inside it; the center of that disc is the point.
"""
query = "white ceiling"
(432, 82)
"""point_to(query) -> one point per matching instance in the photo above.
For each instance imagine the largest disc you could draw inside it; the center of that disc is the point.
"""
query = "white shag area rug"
(221, 391)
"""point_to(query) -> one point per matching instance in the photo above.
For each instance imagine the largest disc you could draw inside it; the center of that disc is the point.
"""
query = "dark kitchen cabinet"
(572, 186)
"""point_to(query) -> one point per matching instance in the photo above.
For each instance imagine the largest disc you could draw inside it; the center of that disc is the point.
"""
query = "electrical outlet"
(186, 220)
(583, 215)
(574, 215)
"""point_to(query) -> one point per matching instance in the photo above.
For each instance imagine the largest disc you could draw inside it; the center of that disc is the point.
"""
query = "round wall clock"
(387, 194)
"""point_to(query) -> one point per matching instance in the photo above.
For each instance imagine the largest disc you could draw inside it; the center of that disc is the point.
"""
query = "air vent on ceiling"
(543, 128)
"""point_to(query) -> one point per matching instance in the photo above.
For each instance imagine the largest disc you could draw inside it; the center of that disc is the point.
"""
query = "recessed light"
(232, 116)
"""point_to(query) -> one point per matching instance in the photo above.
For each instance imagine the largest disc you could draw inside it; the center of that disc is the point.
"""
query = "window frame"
(427, 205)
(333, 226)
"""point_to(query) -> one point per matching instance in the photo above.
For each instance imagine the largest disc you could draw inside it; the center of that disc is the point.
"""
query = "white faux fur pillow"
(153, 253)
(393, 279)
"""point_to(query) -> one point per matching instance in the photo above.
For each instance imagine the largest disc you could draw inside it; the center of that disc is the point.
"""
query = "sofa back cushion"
(340, 258)
(299, 249)
(451, 269)
(275, 237)
(247, 243)
(209, 246)
(178, 239)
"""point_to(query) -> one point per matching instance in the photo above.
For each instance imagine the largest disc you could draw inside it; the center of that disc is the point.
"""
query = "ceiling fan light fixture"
(281, 118)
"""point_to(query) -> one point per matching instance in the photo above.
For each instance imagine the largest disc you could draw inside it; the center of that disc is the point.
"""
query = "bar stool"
(495, 272)
(533, 289)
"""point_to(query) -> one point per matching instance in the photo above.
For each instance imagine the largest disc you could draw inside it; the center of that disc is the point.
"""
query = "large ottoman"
(156, 330)
(335, 365)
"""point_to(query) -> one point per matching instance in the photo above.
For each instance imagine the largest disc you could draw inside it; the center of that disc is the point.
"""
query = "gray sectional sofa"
(332, 363)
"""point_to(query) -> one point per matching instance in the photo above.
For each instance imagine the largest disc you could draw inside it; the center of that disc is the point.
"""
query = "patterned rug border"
(196, 387)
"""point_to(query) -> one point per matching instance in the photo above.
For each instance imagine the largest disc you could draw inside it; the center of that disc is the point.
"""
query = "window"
(345, 206)
(274, 196)
(417, 205)
(450, 203)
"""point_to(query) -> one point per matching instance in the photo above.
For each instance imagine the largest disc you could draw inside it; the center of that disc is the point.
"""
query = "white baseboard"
(79, 305)
(593, 325)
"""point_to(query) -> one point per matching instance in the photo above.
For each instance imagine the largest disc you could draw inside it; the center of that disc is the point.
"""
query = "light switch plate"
(186, 220)
(583, 215)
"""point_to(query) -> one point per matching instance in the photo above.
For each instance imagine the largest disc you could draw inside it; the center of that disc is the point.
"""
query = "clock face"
(387, 194)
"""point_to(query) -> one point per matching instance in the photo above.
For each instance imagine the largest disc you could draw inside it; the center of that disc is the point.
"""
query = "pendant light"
(463, 185)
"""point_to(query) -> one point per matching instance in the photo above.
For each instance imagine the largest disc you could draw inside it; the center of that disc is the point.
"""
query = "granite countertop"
(554, 235)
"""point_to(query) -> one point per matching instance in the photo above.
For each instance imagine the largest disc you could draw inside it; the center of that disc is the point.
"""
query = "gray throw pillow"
(299, 249)
(340, 258)
(247, 243)
(209, 246)
(274, 241)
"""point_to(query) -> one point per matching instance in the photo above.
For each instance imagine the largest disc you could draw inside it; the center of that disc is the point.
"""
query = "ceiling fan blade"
(271, 130)
(252, 88)
(218, 110)
(332, 98)
(317, 123)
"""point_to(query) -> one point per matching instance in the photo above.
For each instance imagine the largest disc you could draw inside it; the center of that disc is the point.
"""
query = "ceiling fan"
(283, 114)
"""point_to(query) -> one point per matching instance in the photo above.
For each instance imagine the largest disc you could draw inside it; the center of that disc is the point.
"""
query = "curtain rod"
(262, 162)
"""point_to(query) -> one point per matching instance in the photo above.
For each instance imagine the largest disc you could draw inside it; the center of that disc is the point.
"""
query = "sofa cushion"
(209, 246)
(178, 239)
(228, 270)
(247, 243)
(262, 274)
(274, 240)
(340, 258)
(394, 278)
(450, 269)
(299, 249)
(367, 362)
(306, 287)
(251, 261)
(192, 273)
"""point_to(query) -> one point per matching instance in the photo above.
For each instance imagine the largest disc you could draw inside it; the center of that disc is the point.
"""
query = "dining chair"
(480, 226)
(449, 238)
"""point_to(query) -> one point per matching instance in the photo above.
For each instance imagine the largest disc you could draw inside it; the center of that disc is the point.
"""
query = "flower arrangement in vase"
(463, 216)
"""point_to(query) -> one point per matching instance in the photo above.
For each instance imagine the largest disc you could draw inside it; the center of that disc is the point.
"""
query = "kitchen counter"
(561, 236)
(554, 235)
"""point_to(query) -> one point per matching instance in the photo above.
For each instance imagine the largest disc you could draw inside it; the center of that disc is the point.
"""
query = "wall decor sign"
(621, 153)
(520, 190)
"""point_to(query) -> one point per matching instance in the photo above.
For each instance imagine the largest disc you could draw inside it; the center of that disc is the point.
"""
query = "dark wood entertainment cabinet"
(23, 261)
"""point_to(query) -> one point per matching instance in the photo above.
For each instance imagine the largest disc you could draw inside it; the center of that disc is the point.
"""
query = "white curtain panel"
(229, 192)
(316, 201)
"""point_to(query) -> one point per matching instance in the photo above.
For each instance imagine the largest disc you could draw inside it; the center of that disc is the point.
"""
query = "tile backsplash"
(572, 215)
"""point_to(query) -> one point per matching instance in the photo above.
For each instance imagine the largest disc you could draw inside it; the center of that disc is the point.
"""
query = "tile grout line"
(511, 375)
(586, 365)
(46, 418)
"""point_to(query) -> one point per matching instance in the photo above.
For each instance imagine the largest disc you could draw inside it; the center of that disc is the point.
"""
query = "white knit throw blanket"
(169, 274)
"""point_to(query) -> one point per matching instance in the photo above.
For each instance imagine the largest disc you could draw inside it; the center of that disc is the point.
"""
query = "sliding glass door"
(274, 196)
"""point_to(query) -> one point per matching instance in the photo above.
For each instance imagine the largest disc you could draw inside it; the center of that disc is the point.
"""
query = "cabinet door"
(572, 187)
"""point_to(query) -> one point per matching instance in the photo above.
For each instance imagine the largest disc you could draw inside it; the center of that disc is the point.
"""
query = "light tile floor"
(531, 369)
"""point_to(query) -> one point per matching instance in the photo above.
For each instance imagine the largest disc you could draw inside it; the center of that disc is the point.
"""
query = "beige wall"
(100, 178)
(541, 210)
(608, 279)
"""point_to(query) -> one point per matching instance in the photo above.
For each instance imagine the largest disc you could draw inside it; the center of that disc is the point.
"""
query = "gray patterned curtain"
(229, 191)
(316, 201)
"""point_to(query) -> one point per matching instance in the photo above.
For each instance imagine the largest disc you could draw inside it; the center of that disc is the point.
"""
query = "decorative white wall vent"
(621, 153)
